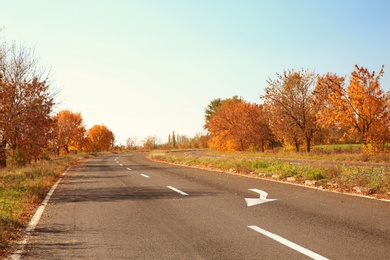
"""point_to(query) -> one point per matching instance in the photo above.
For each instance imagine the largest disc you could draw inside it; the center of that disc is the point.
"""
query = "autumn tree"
(70, 131)
(131, 143)
(203, 140)
(239, 125)
(199, 140)
(293, 112)
(361, 107)
(100, 138)
(151, 142)
(184, 141)
(26, 105)
(258, 129)
(213, 107)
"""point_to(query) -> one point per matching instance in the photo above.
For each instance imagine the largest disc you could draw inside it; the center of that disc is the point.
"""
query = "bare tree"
(131, 143)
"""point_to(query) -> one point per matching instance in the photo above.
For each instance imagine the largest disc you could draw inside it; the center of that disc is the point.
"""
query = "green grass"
(373, 180)
(254, 166)
(338, 148)
(336, 152)
(22, 189)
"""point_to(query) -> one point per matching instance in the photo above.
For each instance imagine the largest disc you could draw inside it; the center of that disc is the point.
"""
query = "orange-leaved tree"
(239, 125)
(213, 107)
(70, 131)
(290, 99)
(361, 107)
(25, 106)
(100, 138)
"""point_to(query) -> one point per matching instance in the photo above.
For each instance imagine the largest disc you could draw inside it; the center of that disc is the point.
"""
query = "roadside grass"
(335, 152)
(23, 189)
(367, 180)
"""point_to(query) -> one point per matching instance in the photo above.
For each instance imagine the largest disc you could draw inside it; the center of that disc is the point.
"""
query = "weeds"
(22, 189)
(366, 179)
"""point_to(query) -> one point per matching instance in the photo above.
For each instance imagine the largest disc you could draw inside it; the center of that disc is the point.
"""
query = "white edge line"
(144, 175)
(177, 190)
(66, 171)
(34, 220)
(288, 243)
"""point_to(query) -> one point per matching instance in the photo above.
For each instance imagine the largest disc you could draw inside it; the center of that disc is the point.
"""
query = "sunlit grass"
(373, 180)
(336, 152)
(22, 189)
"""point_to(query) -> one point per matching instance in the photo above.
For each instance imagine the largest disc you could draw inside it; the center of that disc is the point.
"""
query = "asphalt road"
(128, 207)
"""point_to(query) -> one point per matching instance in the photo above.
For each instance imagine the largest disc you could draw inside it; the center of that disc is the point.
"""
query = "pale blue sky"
(146, 68)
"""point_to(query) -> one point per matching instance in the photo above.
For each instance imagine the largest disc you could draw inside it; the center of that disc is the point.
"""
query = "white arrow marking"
(262, 199)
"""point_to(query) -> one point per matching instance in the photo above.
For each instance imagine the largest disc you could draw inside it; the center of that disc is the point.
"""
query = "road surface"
(128, 207)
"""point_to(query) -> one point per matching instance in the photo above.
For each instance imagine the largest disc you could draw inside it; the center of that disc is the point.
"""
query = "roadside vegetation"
(331, 170)
(22, 189)
(327, 131)
(334, 152)
(36, 144)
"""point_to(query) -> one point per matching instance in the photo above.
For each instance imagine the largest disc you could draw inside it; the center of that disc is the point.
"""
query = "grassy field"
(22, 189)
(336, 152)
(344, 171)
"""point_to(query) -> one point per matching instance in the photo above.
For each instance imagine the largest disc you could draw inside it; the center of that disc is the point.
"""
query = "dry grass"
(22, 190)
(348, 176)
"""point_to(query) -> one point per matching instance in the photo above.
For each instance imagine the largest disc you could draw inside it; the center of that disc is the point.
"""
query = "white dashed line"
(144, 175)
(288, 243)
(120, 164)
(128, 169)
(177, 190)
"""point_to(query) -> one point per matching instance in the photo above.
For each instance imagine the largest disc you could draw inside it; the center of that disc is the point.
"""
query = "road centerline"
(288, 243)
(177, 190)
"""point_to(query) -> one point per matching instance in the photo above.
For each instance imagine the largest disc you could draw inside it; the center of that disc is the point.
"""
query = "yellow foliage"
(100, 138)
(238, 125)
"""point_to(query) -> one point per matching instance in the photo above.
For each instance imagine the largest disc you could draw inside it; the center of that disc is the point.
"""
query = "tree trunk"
(308, 144)
(297, 147)
(3, 154)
